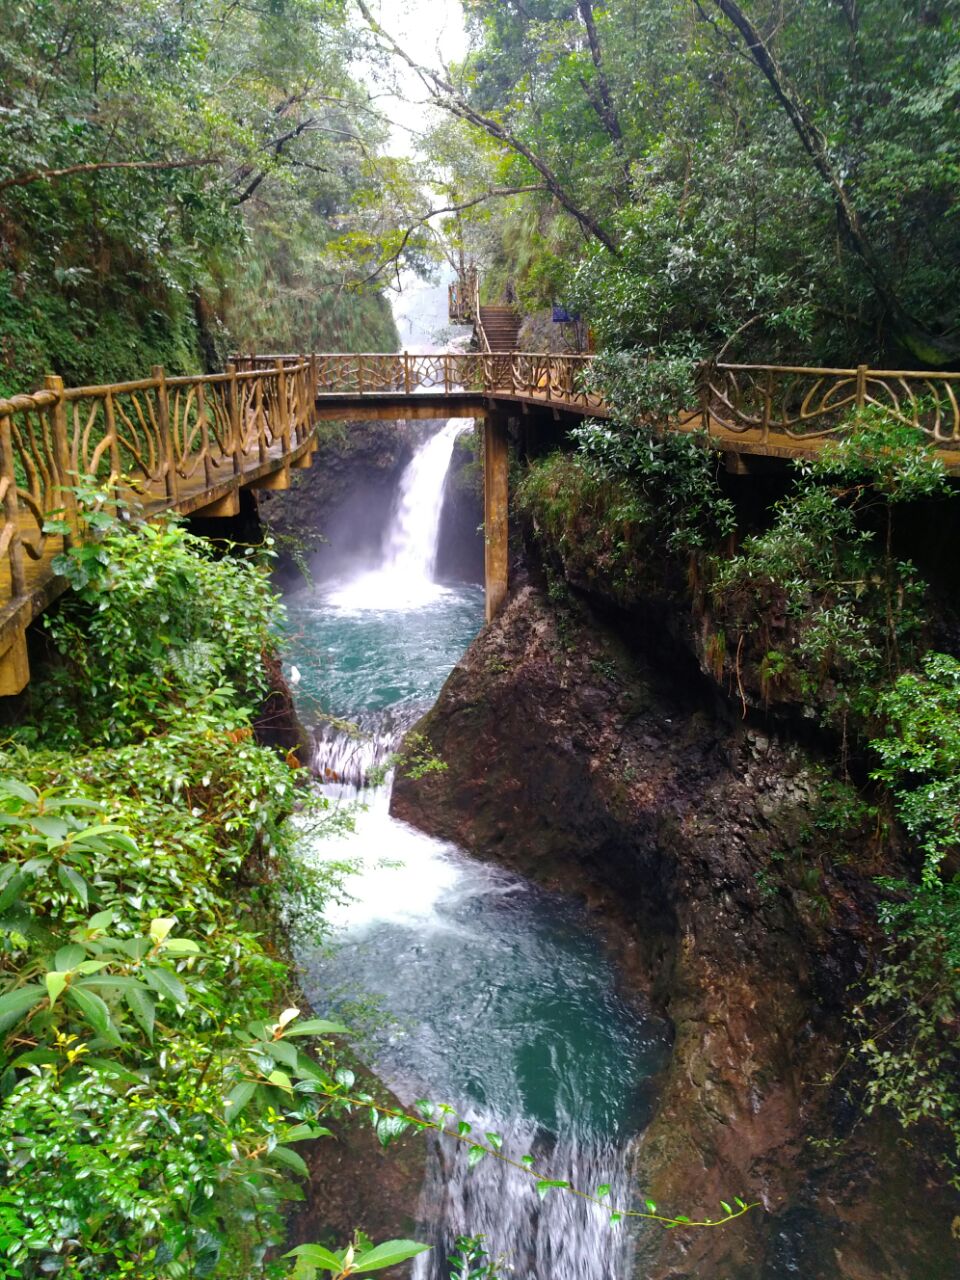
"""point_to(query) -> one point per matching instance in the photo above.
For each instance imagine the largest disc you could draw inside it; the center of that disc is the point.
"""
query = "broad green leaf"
(167, 984)
(55, 982)
(389, 1254)
(160, 927)
(547, 1184)
(95, 1012)
(181, 947)
(13, 787)
(285, 1053)
(475, 1155)
(53, 828)
(651, 1206)
(603, 1190)
(14, 1005)
(281, 1080)
(238, 1097)
(726, 1208)
(290, 1160)
(142, 1007)
(68, 958)
(316, 1027)
(301, 1132)
(74, 882)
(495, 1140)
(317, 1256)
(13, 889)
(390, 1128)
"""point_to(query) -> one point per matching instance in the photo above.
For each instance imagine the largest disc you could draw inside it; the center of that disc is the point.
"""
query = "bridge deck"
(190, 442)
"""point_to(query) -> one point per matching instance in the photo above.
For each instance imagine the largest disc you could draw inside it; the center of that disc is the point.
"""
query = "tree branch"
(446, 96)
(817, 148)
(48, 175)
(493, 194)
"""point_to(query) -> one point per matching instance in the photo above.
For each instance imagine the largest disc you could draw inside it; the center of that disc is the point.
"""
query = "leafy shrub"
(156, 622)
(818, 589)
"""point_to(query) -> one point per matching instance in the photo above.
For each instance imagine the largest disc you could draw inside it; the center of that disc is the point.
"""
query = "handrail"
(176, 442)
(797, 404)
(165, 442)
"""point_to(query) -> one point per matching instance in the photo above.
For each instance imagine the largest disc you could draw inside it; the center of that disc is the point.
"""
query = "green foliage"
(418, 757)
(920, 752)
(156, 623)
(672, 475)
(154, 1084)
(471, 1260)
(358, 1259)
(150, 1093)
(909, 1018)
(837, 612)
(259, 146)
(670, 145)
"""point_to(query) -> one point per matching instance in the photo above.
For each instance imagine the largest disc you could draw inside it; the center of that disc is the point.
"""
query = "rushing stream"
(494, 996)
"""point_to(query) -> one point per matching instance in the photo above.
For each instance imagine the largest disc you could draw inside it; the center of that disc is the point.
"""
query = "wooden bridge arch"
(192, 443)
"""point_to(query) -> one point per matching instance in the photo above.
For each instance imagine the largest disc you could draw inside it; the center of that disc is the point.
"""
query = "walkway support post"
(496, 504)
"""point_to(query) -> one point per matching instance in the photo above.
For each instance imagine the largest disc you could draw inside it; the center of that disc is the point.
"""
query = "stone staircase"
(501, 328)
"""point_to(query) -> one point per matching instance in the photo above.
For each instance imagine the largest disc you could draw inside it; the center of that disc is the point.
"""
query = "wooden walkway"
(184, 444)
(191, 444)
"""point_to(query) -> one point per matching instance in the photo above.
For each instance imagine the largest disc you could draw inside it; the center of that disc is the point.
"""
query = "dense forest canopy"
(170, 174)
(685, 168)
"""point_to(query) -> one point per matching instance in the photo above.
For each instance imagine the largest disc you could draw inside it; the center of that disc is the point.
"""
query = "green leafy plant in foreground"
(156, 623)
(909, 1018)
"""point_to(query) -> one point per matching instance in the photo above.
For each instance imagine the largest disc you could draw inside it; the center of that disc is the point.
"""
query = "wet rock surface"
(337, 510)
(596, 769)
(460, 540)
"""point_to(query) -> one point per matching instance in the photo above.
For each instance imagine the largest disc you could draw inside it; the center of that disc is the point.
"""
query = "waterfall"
(404, 577)
(463, 982)
(559, 1238)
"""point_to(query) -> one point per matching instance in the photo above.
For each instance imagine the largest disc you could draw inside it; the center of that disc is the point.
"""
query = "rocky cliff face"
(577, 757)
(460, 544)
(336, 511)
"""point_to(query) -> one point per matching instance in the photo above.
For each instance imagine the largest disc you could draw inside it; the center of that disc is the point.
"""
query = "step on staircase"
(501, 327)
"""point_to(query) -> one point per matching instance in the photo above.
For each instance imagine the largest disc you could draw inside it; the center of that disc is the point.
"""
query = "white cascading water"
(404, 578)
(497, 999)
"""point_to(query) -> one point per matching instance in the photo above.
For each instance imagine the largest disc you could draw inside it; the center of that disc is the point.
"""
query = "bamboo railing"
(161, 442)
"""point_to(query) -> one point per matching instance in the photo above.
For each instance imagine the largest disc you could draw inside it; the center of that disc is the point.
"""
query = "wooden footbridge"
(190, 444)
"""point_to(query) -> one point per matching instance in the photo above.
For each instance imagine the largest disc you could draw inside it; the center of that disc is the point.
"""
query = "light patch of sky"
(432, 32)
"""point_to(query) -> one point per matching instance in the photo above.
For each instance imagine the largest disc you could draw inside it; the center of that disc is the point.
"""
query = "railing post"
(861, 385)
(233, 409)
(260, 417)
(283, 408)
(496, 504)
(11, 510)
(446, 374)
(61, 447)
(204, 434)
(703, 379)
(406, 372)
(360, 375)
(111, 425)
(167, 443)
(314, 376)
(767, 406)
